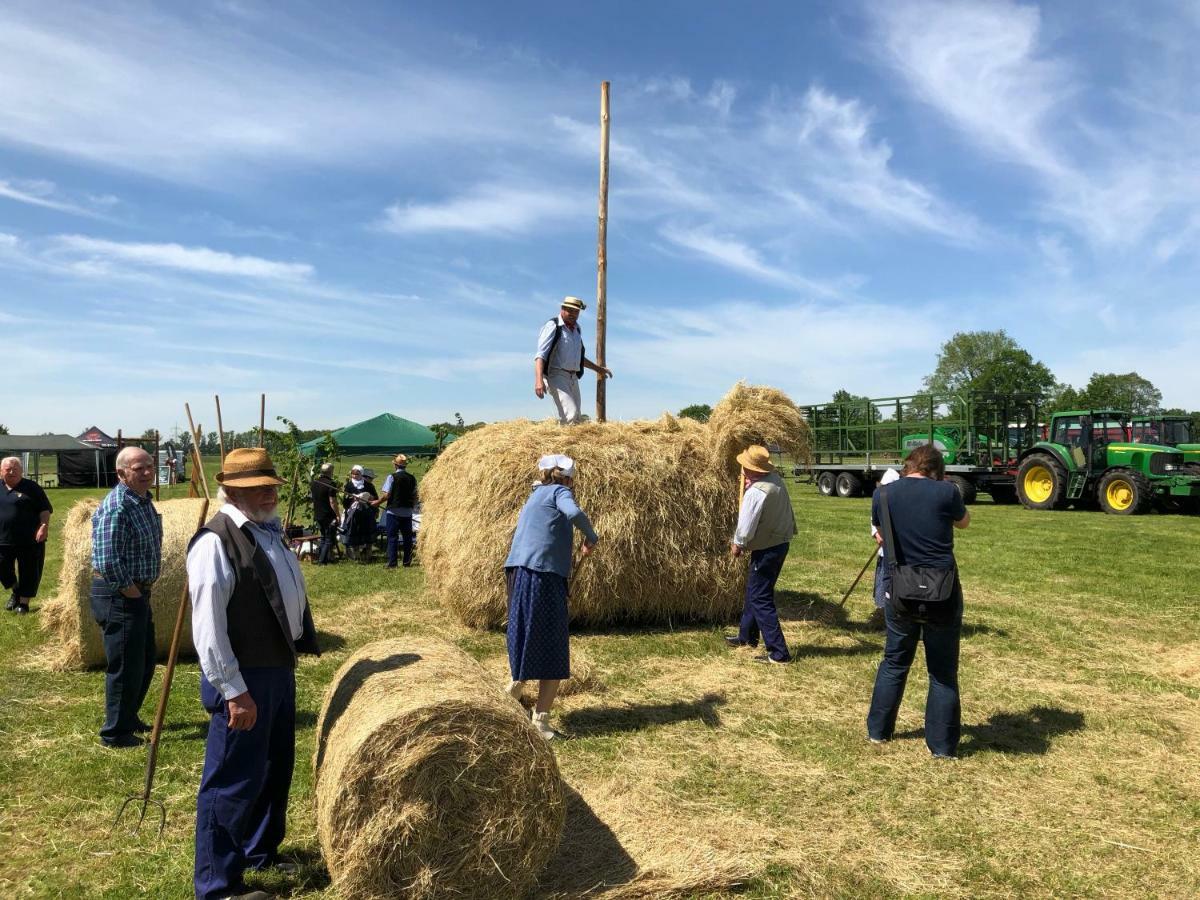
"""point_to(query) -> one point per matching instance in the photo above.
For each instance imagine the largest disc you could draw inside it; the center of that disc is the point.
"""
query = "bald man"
(24, 524)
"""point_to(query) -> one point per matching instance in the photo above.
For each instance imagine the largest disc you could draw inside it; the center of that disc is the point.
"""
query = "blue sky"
(374, 206)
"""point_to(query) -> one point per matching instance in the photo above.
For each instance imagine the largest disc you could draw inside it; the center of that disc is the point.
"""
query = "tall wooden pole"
(602, 258)
(262, 419)
(156, 490)
(220, 430)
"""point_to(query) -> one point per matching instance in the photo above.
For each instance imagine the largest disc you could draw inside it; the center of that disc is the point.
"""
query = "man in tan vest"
(765, 527)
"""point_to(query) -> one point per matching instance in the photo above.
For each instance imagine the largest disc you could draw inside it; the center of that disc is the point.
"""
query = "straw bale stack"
(429, 782)
(662, 495)
(68, 616)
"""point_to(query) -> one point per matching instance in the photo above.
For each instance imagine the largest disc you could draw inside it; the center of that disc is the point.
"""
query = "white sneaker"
(514, 690)
(541, 721)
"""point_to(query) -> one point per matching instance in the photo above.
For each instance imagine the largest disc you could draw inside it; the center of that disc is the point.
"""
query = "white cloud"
(735, 255)
(487, 210)
(43, 194)
(200, 260)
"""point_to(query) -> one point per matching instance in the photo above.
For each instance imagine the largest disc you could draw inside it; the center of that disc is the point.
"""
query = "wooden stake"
(602, 258)
(156, 491)
(262, 419)
(220, 430)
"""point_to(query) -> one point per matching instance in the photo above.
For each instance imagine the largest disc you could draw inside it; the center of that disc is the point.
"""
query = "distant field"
(1078, 777)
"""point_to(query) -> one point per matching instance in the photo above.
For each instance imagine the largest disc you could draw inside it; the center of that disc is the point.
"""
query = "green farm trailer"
(981, 437)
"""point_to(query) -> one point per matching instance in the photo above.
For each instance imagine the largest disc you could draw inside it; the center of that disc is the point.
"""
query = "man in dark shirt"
(924, 511)
(325, 512)
(400, 497)
(24, 523)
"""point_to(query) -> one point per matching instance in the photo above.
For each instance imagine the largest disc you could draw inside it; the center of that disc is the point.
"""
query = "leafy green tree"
(443, 430)
(987, 361)
(698, 411)
(1130, 392)
(3, 429)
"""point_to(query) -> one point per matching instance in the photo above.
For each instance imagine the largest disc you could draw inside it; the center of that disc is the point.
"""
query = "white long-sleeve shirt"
(211, 581)
(748, 516)
(568, 350)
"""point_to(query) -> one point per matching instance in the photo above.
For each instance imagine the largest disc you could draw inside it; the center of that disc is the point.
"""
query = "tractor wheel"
(848, 485)
(826, 483)
(966, 488)
(1124, 492)
(1003, 494)
(1042, 482)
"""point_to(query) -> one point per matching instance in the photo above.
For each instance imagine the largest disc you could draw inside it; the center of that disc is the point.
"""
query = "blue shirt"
(923, 515)
(542, 541)
(126, 538)
(568, 352)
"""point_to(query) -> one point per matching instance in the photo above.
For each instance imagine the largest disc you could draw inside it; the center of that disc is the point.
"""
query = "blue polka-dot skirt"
(538, 636)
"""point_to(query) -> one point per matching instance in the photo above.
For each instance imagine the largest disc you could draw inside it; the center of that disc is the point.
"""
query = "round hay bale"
(429, 782)
(68, 615)
(662, 495)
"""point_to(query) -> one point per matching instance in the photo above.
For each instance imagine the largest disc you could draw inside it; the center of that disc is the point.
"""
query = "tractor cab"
(1171, 431)
(1084, 436)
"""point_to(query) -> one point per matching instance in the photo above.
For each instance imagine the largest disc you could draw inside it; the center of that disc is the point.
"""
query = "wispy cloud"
(200, 260)
(496, 210)
(737, 256)
(44, 194)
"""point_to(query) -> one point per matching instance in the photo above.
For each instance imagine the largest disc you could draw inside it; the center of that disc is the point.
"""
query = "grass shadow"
(329, 641)
(311, 876)
(1031, 731)
(589, 859)
(353, 680)
(596, 720)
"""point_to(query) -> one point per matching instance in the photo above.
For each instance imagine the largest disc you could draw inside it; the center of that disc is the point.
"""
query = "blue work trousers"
(943, 709)
(127, 630)
(759, 614)
(241, 810)
(328, 537)
(399, 529)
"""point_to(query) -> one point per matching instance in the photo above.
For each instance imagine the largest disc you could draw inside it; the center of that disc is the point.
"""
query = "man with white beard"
(250, 618)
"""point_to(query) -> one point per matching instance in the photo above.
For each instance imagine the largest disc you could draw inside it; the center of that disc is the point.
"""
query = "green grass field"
(1079, 773)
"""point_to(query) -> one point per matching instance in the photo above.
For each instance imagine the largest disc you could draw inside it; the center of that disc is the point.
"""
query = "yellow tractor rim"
(1039, 483)
(1119, 494)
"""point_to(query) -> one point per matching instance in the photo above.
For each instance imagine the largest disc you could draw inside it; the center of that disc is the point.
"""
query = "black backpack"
(554, 343)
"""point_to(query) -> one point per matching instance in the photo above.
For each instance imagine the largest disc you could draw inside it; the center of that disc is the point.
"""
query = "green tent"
(383, 434)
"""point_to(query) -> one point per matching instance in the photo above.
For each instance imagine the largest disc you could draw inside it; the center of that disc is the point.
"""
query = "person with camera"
(916, 517)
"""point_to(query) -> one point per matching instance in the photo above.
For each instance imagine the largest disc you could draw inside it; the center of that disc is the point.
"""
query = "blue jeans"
(127, 629)
(399, 528)
(328, 536)
(943, 710)
(241, 809)
(759, 614)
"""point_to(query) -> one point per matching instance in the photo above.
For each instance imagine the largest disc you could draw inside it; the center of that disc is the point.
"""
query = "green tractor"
(1170, 431)
(1089, 456)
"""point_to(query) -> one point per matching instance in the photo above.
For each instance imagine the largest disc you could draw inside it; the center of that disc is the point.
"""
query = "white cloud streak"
(198, 260)
(41, 194)
(487, 210)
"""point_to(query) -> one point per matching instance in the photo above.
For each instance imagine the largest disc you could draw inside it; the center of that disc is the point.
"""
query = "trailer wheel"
(848, 485)
(1124, 492)
(1003, 493)
(1042, 482)
(827, 483)
(966, 488)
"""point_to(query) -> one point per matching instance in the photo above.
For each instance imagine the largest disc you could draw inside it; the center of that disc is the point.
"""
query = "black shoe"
(142, 727)
(13, 602)
(22, 609)
(123, 742)
(767, 658)
(733, 640)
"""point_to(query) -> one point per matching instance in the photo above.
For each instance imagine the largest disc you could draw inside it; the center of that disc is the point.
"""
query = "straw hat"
(756, 459)
(248, 467)
(400, 461)
(573, 303)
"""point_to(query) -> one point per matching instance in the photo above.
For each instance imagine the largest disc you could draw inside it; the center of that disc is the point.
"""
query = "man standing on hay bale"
(24, 524)
(250, 617)
(400, 496)
(765, 527)
(126, 559)
(537, 571)
(561, 359)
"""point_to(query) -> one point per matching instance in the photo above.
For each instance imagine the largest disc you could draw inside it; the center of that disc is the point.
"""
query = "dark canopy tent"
(97, 438)
(79, 464)
(383, 434)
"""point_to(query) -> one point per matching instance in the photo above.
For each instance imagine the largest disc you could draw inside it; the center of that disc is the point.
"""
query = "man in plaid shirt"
(126, 555)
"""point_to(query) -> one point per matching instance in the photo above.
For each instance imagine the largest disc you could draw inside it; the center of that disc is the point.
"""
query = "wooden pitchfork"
(144, 797)
(861, 572)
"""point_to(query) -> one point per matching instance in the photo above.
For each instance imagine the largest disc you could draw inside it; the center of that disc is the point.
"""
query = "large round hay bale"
(68, 615)
(429, 782)
(662, 495)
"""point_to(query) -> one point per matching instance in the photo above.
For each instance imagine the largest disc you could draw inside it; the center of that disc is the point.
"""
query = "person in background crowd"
(325, 511)
(883, 578)
(24, 525)
(560, 360)
(537, 572)
(126, 557)
(250, 617)
(925, 510)
(357, 484)
(400, 496)
(765, 529)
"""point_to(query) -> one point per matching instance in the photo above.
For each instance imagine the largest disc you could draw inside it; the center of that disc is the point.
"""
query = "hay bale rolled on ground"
(663, 496)
(68, 617)
(429, 782)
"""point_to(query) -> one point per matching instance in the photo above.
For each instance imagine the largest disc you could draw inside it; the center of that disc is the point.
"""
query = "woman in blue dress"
(537, 572)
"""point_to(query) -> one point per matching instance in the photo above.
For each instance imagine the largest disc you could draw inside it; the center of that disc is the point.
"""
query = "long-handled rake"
(160, 713)
(858, 578)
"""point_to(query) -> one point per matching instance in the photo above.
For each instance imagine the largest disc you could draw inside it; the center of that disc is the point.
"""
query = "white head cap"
(557, 461)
